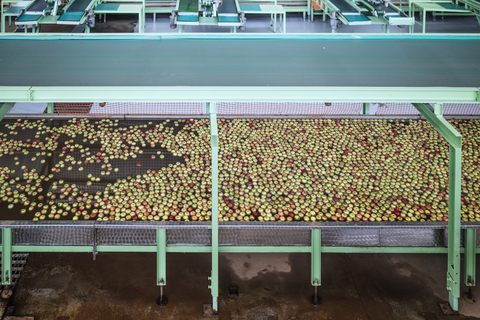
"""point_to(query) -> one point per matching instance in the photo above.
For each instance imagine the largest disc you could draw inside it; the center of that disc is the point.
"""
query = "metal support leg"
(6, 256)
(435, 117)
(5, 108)
(366, 108)
(316, 259)
(454, 179)
(470, 248)
(212, 110)
(161, 265)
(2, 22)
(50, 108)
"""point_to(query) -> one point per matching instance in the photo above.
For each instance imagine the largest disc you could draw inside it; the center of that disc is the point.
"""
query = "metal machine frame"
(218, 242)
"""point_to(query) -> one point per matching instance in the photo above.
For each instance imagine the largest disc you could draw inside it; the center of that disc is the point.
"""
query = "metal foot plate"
(469, 298)
(208, 310)
(447, 310)
(316, 301)
(162, 302)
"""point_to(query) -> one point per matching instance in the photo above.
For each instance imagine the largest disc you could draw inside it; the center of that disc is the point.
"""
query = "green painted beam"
(264, 249)
(384, 250)
(212, 108)
(7, 256)
(161, 257)
(5, 108)
(435, 117)
(50, 108)
(454, 138)
(469, 242)
(366, 108)
(239, 94)
(316, 257)
(232, 249)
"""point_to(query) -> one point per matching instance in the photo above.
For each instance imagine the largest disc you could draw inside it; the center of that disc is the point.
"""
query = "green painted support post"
(316, 251)
(161, 257)
(470, 248)
(366, 108)
(4, 109)
(6, 256)
(50, 108)
(212, 108)
(316, 260)
(161, 265)
(435, 117)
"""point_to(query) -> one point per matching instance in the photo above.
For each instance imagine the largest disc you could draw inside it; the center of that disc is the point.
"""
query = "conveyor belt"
(38, 6)
(343, 6)
(34, 12)
(301, 61)
(75, 11)
(228, 7)
(349, 12)
(188, 6)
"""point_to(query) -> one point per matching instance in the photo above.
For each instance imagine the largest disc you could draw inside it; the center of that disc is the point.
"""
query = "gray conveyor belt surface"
(78, 6)
(228, 6)
(399, 62)
(343, 6)
(38, 5)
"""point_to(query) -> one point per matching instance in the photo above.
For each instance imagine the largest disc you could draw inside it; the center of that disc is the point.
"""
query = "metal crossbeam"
(239, 94)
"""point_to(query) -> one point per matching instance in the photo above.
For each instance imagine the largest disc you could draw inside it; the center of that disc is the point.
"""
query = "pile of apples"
(269, 170)
(342, 170)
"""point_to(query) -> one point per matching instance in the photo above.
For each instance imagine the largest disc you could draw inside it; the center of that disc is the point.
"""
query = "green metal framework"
(419, 96)
(434, 115)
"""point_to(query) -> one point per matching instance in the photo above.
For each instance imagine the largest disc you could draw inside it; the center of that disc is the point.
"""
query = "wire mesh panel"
(190, 236)
(271, 236)
(58, 235)
(314, 109)
(126, 236)
(108, 109)
(450, 109)
(19, 259)
(413, 237)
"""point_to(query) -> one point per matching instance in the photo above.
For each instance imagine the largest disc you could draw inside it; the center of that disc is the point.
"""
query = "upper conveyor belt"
(239, 61)
(75, 11)
(228, 7)
(33, 12)
(349, 12)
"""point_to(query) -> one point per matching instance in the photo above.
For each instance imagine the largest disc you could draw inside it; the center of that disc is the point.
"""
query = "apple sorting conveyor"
(54, 169)
(57, 231)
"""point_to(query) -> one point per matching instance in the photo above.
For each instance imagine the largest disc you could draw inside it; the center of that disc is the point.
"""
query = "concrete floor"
(273, 286)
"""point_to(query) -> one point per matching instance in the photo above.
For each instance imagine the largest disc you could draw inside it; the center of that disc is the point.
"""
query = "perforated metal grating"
(232, 233)
(19, 259)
